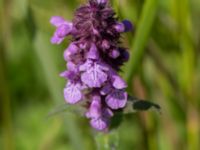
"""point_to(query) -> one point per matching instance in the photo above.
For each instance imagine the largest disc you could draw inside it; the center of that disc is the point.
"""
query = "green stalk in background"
(8, 138)
(107, 141)
(142, 33)
(5, 101)
(188, 72)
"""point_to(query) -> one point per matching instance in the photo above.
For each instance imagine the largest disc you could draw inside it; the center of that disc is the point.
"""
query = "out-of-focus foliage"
(164, 68)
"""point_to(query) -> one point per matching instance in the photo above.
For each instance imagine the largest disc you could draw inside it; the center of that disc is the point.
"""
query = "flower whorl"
(93, 59)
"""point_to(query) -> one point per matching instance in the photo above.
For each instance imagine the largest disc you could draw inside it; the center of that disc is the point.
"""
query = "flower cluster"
(93, 59)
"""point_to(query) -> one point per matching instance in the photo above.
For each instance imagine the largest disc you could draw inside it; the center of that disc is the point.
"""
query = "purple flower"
(99, 114)
(63, 29)
(124, 26)
(93, 52)
(71, 50)
(94, 58)
(116, 99)
(102, 123)
(94, 74)
(72, 92)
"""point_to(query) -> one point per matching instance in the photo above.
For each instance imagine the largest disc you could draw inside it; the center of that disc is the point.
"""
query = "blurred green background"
(164, 68)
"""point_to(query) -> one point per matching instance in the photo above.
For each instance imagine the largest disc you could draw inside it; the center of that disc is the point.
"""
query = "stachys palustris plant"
(94, 58)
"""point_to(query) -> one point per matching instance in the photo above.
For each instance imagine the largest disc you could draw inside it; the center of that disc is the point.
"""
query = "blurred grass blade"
(5, 109)
(43, 51)
(141, 37)
(6, 123)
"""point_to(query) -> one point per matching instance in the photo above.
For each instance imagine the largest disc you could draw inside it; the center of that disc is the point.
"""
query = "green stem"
(107, 141)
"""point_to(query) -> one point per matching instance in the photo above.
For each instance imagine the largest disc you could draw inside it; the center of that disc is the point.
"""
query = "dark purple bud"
(125, 55)
(128, 25)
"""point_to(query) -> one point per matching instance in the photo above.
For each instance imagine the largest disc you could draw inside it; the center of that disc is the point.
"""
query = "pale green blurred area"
(164, 68)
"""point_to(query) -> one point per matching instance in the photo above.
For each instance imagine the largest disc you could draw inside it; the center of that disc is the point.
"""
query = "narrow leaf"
(66, 108)
(134, 104)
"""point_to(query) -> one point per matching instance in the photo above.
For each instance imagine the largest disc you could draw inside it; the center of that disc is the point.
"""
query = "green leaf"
(134, 104)
(67, 108)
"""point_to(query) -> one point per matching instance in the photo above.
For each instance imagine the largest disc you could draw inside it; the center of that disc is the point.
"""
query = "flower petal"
(56, 40)
(86, 65)
(118, 82)
(117, 99)
(106, 89)
(95, 107)
(71, 66)
(64, 29)
(72, 49)
(57, 21)
(93, 52)
(94, 76)
(72, 93)
(107, 113)
(99, 124)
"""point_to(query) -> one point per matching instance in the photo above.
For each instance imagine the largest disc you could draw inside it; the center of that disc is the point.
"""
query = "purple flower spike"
(63, 29)
(94, 58)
